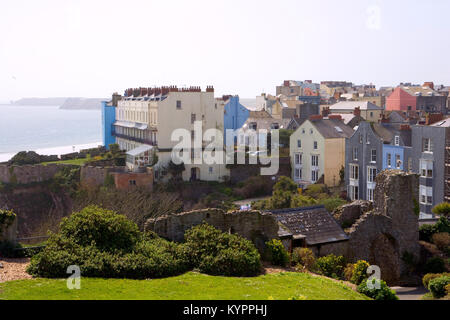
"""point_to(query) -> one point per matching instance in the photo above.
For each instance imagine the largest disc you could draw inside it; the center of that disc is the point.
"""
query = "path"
(410, 293)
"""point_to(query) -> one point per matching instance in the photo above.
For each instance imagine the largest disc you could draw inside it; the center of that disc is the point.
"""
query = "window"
(315, 145)
(389, 159)
(426, 145)
(355, 153)
(311, 131)
(397, 140)
(193, 118)
(215, 106)
(298, 173)
(373, 155)
(371, 174)
(299, 143)
(398, 162)
(192, 134)
(303, 131)
(426, 195)
(354, 192)
(178, 104)
(360, 138)
(211, 170)
(426, 168)
(409, 165)
(354, 172)
(132, 182)
(314, 175)
(314, 161)
(298, 158)
(370, 194)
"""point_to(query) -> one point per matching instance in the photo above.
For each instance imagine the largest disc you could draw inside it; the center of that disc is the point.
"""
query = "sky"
(94, 48)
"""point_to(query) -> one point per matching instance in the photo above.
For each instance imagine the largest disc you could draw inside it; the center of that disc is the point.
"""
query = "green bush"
(314, 190)
(285, 184)
(437, 286)
(442, 209)
(435, 265)
(7, 217)
(218, 253)
(359, 272)
(276, 253)
(426, 231)
(102, 228)
(305, 257)
(430, 276)
(332, 204)
(331, 266)
(383, 293)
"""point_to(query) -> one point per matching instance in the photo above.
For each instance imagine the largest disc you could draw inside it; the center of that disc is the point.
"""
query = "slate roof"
(328, 128)
(388, 131)
(351, 105)
(315, 223)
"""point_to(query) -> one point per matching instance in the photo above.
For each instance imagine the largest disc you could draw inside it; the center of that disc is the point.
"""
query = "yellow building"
(150, 116)
(368, 111)
(317, 148)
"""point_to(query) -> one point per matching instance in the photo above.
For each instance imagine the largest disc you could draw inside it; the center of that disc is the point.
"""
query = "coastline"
(54, 150)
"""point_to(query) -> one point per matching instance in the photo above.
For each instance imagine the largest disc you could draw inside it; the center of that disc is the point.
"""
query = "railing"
(135, 139)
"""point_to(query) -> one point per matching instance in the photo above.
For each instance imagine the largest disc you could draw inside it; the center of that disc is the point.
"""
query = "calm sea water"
(36, 127)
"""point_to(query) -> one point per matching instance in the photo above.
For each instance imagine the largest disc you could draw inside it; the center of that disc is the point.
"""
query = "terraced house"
(147, 117)
(317, 148)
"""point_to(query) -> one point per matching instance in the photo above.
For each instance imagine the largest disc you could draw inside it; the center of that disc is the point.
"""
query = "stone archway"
(384, 253)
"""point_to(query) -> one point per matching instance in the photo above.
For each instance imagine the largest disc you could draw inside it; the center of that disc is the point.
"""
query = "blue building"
(108, 119)
(309, 99)
(235, 115)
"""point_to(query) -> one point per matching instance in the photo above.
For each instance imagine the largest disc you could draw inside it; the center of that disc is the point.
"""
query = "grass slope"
(190, 286)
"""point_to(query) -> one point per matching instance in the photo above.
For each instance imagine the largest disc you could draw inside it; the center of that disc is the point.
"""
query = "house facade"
(108, 120)
(431, 159)
(317, 148)
(368, 111)
(235, 115)
(149, 116)
(416, 98)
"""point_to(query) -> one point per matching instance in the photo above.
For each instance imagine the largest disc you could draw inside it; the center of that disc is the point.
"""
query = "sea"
(47, 130)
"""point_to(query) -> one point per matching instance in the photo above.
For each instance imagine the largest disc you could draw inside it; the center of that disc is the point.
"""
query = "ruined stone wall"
(347, 214)
(91, 176)
(253, 225)
(27, 174)
(383, 235)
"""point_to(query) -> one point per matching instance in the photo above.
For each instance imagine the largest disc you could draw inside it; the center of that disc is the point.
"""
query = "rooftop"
(352, 105)
(314, 223)
(332, 128)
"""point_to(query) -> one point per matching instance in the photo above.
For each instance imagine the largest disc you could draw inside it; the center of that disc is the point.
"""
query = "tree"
(442, 209)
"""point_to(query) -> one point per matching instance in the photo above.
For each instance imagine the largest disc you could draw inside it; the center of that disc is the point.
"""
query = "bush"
(435, 265)
(330, 266)
(276, 253)
(285, 184)
(7, 217)
(348, 271)
(442, 209)
(441, 240)
(437, 286)
(383, 293)
(447, 290)
(218, 253)
(314, 190)
(359, 272)
(430, 276)
(426, 231)
(332, 204)
(305, 257)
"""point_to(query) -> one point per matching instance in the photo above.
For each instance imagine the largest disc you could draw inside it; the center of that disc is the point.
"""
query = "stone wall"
(347, 215)
(253, 225)
(27, 174)
(383, 235)
(91, 176)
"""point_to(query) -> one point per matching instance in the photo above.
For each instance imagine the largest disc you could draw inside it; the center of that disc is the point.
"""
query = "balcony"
(135, 139)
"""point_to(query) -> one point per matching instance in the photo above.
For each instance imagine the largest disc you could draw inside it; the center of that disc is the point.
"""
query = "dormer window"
(397, 140)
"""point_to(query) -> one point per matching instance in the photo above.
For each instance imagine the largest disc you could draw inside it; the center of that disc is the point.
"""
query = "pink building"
(400, 100)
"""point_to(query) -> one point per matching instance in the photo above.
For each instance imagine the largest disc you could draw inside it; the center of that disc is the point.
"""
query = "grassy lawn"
(190, 286)
(77, 162)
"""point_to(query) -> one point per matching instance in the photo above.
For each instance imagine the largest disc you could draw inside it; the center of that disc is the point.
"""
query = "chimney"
(433, 118)
(315, 117)
(286, 83)
(429, 85)
(357, 112)
(325, 112)
(209, 89)
(383, 119)
(115, 98)
(405, 127)
(335, 117)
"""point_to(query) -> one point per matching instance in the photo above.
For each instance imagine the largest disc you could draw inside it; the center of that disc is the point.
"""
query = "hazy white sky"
(93, 48)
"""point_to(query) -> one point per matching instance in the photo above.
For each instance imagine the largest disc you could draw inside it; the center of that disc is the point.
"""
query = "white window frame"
(370, 176)
(372, 154)
(354, 172)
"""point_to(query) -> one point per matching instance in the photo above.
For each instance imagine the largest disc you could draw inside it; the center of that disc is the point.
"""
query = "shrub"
(359, 272)
(430, 276)
(7, 217)
(315, 189)
(330, 266)
(383, 293)
(426, 231)
(298, 201)
(285, 184)
(304, 256)
(218, 253)
(442, 209)
(348, 271)
(332, 204)
(447, 290)
(276, 253)
(435, 265)
(441, 240)
(437, 286)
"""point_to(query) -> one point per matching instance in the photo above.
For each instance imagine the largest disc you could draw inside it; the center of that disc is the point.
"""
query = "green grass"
(190, 286)
(77, 162)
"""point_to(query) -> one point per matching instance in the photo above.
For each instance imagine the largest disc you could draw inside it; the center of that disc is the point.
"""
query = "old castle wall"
(27, 174)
